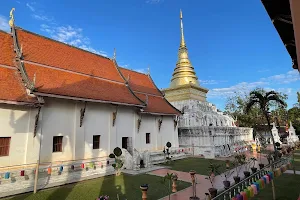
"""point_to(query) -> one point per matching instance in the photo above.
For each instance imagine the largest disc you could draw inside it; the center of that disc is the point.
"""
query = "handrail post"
(36, 176)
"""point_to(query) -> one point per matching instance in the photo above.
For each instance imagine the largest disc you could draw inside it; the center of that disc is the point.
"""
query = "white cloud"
(18, 2)
(289, 77)
(72, 36)
(154, 1)
(29, 5)
(42, 17)
(238, 88)
(210, 82)
(142, 70)
(4, 24)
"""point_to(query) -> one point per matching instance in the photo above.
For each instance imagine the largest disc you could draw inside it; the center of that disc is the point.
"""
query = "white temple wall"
(158, 138)
(17, 122)
(60, 117)
(125, 125)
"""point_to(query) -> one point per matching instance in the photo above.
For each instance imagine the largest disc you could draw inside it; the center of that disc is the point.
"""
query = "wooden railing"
(243, 184)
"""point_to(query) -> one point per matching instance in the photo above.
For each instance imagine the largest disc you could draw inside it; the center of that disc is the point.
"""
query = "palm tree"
(263, 100)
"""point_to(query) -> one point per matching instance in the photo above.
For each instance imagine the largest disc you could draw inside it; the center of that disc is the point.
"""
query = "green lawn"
(287, 187)
(128, 187)
(200, 165)
(297, 162)
(297, 151)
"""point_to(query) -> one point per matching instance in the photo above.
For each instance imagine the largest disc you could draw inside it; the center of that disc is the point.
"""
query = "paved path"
(202, 184)
(291, 172)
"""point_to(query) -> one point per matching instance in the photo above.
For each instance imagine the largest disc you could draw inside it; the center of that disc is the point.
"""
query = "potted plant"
(213, 170)
(253, 168)
(212, 191)
(227, 174)
(238, 163)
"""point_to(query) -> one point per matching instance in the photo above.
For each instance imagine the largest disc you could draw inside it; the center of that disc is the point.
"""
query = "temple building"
(62, 103)
(201, 127)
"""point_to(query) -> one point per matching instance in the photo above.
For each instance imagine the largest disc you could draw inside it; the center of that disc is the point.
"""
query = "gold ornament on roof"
(184, 71)
(12, 19)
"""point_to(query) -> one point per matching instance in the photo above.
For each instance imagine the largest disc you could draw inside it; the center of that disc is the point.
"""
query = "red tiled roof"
(58, 82)
(157, 104)
(46, 51)
(12, 88)
(139, 82)
(144, 88)
(6, 49)
(69, 72)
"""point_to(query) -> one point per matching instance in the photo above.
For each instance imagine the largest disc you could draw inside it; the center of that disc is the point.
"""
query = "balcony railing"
(242, 185)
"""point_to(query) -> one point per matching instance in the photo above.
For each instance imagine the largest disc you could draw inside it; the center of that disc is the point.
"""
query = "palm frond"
(271, 93)
(250, 104)
(277, 99)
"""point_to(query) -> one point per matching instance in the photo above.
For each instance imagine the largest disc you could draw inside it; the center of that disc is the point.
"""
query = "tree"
(294, 117)
(298, 96)
(264, 100)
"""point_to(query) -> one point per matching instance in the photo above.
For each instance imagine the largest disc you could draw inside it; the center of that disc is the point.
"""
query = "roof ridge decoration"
(127, 85)
(19, 59)
(12, 19)
(19, 55)
(115, 54)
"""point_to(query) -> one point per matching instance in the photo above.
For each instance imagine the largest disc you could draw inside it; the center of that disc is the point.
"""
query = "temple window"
(147, 138)
(57, 143)
(4, 146)
(96, 141)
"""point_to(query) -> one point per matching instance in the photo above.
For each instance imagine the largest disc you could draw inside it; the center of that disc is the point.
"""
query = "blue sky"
(232, 45)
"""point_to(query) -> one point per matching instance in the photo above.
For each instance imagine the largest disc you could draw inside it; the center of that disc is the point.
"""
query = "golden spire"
(12, 19)
(184, 72)
(182, 42)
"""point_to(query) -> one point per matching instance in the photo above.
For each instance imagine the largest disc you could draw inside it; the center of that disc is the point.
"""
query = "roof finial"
(182, 42)
(148, 70)
(12, 19)
(115, 54)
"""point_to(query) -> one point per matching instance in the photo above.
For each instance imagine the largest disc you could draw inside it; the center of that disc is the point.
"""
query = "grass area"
(297, 151)
(128, 187)
(200, 165)
(297, 163)
(287, 187)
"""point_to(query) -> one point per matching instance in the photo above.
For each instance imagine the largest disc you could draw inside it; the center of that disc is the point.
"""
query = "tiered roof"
(62, 71)
(144, 88)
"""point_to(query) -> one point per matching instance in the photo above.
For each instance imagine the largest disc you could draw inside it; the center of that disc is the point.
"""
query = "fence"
(272, 169)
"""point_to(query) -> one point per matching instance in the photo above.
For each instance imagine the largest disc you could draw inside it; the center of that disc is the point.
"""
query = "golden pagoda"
(184, 83)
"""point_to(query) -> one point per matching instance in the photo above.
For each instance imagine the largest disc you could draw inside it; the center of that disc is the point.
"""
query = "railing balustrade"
(243, 184)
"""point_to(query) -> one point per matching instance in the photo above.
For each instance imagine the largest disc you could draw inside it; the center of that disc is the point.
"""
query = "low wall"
(50, 174)
(17, 183)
